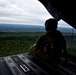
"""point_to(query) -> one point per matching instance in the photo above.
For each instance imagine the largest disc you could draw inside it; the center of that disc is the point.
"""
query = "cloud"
(26, 11)
(23, 12)
(62, 23)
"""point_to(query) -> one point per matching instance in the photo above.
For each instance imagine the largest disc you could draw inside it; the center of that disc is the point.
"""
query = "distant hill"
(70, 30)
(28, 28)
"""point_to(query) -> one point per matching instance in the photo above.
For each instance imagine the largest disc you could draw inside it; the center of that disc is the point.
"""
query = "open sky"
(24, 12)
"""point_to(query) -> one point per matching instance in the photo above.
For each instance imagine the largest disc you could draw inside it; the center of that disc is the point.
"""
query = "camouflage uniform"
(49, 46)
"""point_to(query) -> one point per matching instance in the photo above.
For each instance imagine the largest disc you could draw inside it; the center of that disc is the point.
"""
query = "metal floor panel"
(26, 64)
(19, 65)
(4, 69)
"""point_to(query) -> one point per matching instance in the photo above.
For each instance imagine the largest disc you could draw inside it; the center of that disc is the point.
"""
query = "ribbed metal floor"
(26, 64)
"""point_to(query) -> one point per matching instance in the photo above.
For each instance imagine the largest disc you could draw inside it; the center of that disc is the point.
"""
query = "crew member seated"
(51, 45)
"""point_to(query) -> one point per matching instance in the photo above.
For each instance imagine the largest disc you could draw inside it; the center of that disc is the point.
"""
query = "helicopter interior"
(26, 64)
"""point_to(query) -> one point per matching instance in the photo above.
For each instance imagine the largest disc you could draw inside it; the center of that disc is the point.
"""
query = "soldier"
(49, 46)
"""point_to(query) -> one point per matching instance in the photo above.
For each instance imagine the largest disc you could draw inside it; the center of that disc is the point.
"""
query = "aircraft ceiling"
(62, 9)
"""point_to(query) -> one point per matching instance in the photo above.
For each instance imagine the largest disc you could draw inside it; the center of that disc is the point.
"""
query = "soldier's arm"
(64, 48)
(40, 41)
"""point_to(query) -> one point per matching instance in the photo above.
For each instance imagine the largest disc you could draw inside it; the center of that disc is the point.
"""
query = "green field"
(15, 43)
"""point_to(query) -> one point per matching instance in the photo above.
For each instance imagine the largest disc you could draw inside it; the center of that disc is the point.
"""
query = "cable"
(72, 38)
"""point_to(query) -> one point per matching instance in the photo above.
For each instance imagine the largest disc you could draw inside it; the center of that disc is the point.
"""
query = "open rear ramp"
(26, 64)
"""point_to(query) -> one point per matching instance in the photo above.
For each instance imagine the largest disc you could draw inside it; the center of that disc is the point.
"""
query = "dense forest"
(19, 42)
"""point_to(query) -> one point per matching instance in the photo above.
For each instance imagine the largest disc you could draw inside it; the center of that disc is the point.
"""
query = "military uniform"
(49, 46)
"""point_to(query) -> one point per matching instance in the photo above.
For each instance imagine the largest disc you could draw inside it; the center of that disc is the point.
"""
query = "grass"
(15, 43)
